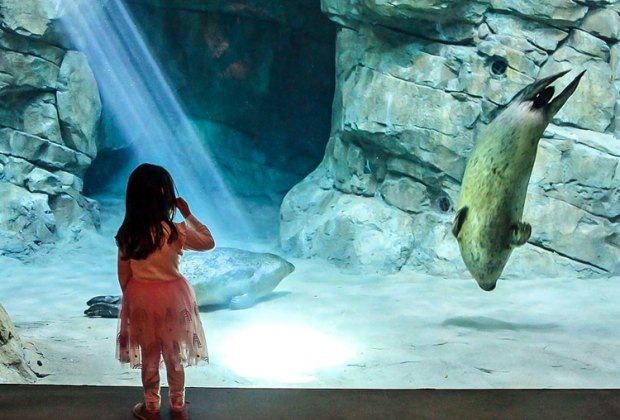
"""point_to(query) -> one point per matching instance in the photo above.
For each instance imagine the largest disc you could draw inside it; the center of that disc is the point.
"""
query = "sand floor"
(326, 329)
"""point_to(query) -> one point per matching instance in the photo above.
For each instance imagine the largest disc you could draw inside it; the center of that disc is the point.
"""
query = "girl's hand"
(183, 207)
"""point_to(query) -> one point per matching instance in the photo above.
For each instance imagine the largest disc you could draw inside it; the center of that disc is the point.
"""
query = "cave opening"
(255, 82)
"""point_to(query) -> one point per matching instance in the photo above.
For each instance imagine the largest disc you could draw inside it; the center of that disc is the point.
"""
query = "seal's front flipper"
(458, 221)
(244, 301)
(519, 234)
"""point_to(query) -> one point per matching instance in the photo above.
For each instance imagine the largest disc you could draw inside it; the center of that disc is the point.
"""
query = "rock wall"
(49, 118)
(415, 81)
(20, 362)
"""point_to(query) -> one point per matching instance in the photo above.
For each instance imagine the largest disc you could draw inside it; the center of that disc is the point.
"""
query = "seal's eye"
(543, 98)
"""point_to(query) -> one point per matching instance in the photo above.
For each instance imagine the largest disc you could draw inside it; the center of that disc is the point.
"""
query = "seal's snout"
(487, 287)
(486, 275)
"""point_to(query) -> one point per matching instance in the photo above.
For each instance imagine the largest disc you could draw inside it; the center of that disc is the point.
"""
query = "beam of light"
(281, 354)
(147, 112)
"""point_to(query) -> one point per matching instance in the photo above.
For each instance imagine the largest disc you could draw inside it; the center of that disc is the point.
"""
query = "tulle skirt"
(160, 316)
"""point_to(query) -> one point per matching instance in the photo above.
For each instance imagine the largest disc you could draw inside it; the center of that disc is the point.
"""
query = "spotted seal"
(488, 224)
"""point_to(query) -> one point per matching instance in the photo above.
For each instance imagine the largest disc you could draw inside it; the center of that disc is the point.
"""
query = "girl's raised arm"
(198, 236)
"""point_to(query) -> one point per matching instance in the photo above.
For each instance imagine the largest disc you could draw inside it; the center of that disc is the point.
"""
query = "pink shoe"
(140, 412)
(180, 414)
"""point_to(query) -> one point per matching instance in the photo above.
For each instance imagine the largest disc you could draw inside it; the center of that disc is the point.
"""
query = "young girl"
(159, 315)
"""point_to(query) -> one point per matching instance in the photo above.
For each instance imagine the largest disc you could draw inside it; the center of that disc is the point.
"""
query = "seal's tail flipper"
(530, 92)
(557, 103)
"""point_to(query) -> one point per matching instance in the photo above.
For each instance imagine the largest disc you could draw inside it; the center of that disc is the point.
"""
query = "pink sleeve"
(197, 236)
(124, 271)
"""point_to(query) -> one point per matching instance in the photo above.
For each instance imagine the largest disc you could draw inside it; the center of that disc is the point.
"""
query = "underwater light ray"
(174, 116)
(113, 89)
(108, 63)
(159, 96)
(150, 116)
(132, 118)
(103, 62)
(133, 61)
(176, 122)
(110, 58)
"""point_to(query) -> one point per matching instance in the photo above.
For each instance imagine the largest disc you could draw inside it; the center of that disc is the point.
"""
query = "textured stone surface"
(553, 12)
(408, 105)
(41, 151)
(41, 20)
(49, 114)
(32, 112)
(614, 58)
(32, 18)
(25, 72)
(13, 365)
(38, 48)
(603, 23)
(20, 361)
(581, 168)
(573, 232)
(536, 33)
(26, 216)
(593, 104)
(79, 105)
(439, 20)
(356, 233)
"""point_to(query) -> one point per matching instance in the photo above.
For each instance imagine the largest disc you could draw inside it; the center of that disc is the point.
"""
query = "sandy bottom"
(326, 329)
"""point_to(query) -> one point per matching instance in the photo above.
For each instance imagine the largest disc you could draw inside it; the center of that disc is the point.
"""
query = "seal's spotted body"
(488, 219)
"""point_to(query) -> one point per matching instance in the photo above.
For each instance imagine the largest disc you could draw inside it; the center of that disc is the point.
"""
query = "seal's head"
(488, 267)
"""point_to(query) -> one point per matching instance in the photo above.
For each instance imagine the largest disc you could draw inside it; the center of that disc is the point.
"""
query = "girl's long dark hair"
(149, 206)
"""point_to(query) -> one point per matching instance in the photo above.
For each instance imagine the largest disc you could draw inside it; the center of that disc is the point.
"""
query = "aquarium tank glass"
(403, 194)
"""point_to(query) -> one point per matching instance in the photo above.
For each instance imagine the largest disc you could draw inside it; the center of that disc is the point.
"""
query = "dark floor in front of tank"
(60, 402)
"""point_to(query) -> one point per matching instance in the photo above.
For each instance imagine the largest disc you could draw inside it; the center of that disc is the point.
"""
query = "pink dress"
(159, 312)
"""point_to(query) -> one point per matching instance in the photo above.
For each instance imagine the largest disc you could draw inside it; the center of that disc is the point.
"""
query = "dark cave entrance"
(260, 75)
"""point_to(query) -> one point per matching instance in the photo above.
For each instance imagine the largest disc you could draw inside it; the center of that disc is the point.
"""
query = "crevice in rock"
(569, 257)
(29, 54)
(577, 207)
(527, 18)
(434, 40)
(574, 125)
(43, 141)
